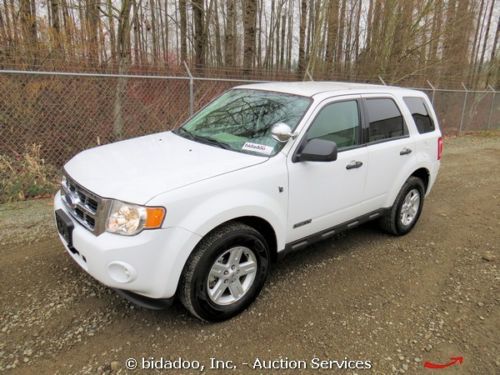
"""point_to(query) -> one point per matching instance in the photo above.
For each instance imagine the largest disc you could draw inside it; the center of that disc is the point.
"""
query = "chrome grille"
(86, 207)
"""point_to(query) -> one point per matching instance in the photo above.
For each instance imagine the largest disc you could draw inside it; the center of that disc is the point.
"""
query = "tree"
(112, 34)
(230, 41)
(199, 33)
(444, 41)
(182, 13)
(302, 36)
(333, 14)
(91, 18)
(486, 34)
(154, 35)
(123, 61)
(56, 27)
(218, 46)
(28, 24)
(494, 69)
(249, 30)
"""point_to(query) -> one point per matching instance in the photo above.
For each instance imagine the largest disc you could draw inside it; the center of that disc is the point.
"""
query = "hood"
(138, 169)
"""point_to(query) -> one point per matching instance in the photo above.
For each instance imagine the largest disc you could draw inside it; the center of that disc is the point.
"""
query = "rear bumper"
(148, 264)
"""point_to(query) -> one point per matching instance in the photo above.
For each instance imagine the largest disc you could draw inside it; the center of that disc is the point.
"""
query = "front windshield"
(241, 120)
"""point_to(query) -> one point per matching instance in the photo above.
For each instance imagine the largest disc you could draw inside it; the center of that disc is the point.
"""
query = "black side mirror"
(318, 150)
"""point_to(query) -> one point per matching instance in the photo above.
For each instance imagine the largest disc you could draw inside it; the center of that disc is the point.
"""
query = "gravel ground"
(26, 222)
(397, 302)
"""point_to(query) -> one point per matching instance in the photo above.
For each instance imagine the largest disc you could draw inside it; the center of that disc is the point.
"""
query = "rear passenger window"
(338, 122)
(420, 114)
(385, 120)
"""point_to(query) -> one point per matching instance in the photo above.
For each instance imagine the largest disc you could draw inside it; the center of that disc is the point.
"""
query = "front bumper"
(148, 264)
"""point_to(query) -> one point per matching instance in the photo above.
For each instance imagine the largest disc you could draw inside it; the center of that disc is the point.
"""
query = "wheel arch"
(260, 224)
(424, 174)
(421, 171)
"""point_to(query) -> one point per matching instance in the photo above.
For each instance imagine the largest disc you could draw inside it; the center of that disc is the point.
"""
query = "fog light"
(121, 272)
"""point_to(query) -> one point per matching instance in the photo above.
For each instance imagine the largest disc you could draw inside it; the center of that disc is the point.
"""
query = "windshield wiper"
(186, 132)
(205, 140)
(212, 141)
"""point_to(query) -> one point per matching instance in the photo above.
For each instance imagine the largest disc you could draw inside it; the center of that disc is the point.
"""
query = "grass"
(26, 176)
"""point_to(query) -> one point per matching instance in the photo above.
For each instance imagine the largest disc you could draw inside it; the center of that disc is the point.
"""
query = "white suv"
(203, 211)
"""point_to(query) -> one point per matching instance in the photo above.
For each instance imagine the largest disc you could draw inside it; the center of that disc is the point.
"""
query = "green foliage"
(26, 176)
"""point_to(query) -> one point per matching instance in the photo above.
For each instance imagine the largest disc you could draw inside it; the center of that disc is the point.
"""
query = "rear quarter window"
(420, 114)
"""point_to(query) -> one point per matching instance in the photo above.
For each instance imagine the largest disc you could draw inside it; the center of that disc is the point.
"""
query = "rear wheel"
(225, 273)
(407, 208)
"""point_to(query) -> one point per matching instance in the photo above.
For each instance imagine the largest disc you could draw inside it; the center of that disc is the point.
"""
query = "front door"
(324, 194)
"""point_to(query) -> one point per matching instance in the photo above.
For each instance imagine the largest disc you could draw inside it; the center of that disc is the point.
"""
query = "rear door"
(389, 147)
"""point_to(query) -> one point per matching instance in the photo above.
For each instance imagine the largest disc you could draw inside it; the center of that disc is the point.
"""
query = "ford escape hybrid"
(201, 212)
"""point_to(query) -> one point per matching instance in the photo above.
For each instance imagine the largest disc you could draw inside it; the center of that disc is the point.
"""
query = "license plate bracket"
(65, 227)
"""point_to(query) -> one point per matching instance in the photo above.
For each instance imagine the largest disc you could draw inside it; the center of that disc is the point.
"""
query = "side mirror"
(318, 150)
(281, 132)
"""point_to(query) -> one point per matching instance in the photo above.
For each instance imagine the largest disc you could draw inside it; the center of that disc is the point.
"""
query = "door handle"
(405, 151)
(354, 164)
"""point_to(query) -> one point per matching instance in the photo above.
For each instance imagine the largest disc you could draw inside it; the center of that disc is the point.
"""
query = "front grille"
(86, 207)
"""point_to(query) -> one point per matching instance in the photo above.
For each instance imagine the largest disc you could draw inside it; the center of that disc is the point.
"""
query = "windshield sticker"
(256, 147)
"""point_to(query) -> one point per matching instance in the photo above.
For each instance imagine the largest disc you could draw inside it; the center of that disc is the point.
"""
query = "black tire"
(391, 222)
(193, 287)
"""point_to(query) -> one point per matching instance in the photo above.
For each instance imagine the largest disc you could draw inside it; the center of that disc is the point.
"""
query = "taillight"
(440, 147)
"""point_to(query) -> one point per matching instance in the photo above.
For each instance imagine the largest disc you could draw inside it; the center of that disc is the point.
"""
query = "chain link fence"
(63, 113)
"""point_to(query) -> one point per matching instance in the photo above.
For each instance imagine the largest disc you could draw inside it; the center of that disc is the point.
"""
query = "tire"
(215, 266)
(393, 222)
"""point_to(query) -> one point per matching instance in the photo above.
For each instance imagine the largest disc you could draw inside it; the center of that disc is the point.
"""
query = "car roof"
(312, 88)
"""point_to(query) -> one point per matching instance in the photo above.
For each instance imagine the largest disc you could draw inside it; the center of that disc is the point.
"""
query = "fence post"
(463, 109)
(492, 105)
(191, 90)
(381, 80)
(433, 91)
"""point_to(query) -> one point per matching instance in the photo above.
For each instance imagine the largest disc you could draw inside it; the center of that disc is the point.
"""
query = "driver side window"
(338, 122)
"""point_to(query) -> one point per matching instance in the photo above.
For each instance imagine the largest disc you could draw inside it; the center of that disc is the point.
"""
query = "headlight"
(129, 219)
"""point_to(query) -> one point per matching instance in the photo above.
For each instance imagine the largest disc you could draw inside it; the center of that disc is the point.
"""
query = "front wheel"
(406, 210)
(225, 273)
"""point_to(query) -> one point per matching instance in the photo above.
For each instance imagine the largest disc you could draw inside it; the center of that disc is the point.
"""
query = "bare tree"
(29, 29)
(154, 36)
(249, 20)
(485, 40)
(123, 61)
(183, 18)
(199, 33)
(447, 41)
(494, 68)
(302, 36)
(230, 38)
(333, 15)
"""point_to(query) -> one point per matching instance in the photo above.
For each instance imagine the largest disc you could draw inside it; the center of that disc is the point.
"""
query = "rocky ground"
(396, 302)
